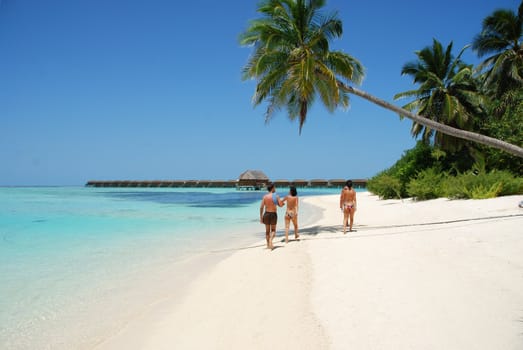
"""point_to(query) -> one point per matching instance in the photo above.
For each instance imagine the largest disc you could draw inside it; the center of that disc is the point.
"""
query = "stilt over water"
(358, 183)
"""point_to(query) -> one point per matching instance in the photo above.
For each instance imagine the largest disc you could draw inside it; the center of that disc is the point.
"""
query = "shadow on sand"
(311, 233)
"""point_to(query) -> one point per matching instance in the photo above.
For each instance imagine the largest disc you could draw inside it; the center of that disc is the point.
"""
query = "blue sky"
(145, 90)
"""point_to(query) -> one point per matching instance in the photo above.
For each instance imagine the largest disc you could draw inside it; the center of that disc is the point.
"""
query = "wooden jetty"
(248, 180)
(300, 183)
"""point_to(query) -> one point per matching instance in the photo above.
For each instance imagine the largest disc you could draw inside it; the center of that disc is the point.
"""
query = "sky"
(151, 90)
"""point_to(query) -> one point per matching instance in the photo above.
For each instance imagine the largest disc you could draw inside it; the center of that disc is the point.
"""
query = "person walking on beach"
(348, 205)
(292, 213)
(268, 213)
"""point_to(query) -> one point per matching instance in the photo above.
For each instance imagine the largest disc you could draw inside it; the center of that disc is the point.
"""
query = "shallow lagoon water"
(73, 259)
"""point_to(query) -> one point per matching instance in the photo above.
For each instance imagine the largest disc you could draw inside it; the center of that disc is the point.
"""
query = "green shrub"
(392, 183)
(414, 160)
(482, 192)
(385, 186)
(463, 175)
(511, 184)
(427, 185)
(454, 187)
(482, 185)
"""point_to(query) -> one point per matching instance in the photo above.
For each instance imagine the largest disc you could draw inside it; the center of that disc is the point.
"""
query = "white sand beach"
(437, 274)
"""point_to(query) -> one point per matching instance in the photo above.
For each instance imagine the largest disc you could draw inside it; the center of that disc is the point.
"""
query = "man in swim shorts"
(268, 213)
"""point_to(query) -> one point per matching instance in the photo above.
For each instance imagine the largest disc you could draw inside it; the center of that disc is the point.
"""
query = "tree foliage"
(293, 65)
(501, 38)
(292, 60)
(447, 93)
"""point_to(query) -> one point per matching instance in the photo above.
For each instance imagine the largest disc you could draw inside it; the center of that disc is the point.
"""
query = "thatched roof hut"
(253, 178)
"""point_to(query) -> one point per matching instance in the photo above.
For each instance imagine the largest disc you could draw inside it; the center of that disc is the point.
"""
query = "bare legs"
(270, 232)
(295, 224)
(345, 220)
(287, 227)
(348, 219)
(351, 215)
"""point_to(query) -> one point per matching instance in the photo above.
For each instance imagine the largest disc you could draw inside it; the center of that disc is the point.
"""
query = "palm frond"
(292, 61)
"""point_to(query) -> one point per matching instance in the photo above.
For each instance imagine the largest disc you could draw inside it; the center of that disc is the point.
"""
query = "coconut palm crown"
(447, 93)
(293, 64)
(501, 37)
(292, 61)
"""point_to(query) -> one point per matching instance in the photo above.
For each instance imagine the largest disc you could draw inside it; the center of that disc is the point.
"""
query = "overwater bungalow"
(191, 183)
(282, 183)
(359, 183)
(300, 183)
(318, 183)
(337, 182)
(252, 179)
(222, 183)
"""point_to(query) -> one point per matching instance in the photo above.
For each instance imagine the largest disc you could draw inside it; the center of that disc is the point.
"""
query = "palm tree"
(447, 94)
(293, 65)
(292, 61)
(501, 36)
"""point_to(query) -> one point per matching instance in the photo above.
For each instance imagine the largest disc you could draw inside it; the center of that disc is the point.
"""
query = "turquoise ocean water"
(76, 263)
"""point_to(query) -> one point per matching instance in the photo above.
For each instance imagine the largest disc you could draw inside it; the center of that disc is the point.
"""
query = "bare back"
(348, 196)
(268, 202)
(292, 202)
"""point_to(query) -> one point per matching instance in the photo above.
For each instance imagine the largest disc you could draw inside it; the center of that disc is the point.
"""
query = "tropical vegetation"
(447, 93)
(293, 65)
(292, 60)
(487, 99)
(468, 119)
(425, 172)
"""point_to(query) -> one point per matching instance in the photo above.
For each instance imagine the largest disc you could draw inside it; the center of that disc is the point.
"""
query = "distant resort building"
(252, 180)
(319, 183)
(248, 180)
(282, 183)
(300, 183)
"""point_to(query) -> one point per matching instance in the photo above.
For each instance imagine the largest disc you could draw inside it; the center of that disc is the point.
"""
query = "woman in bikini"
(292, 213)
(348, 205)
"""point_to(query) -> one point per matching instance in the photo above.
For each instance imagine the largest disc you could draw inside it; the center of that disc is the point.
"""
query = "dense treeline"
(425, 172)
(487, 99)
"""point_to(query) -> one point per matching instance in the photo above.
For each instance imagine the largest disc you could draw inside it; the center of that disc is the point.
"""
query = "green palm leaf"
(293, 65)
(291, 59)
(501, 38)
(446, 93)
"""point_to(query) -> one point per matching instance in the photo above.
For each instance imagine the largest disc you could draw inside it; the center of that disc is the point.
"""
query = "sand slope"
(438, 274)
(425, 275)
(255, 299)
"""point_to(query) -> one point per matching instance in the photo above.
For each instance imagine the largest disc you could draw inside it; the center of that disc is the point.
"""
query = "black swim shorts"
(270, 218)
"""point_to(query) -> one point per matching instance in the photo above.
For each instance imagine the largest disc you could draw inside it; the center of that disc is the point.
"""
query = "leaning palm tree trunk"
(463, 134)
